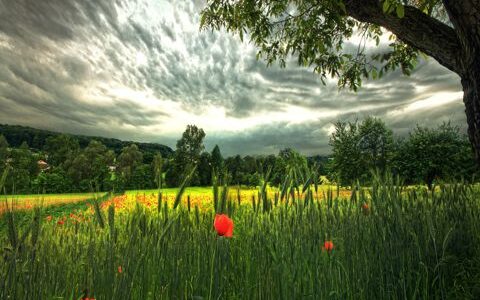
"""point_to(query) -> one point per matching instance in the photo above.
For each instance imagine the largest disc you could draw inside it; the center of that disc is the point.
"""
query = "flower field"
(381, 242)
(25, 202)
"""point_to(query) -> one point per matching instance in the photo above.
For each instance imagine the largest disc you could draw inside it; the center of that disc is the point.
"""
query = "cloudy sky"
(141, 70)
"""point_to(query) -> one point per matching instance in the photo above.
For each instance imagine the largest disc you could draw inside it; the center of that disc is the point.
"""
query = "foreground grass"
(405, 245)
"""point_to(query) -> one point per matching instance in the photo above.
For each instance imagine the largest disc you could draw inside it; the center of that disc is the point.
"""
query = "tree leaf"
(400, 11)
(386, 6)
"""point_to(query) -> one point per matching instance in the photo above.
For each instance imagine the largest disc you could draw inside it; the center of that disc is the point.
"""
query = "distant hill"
(36, 139)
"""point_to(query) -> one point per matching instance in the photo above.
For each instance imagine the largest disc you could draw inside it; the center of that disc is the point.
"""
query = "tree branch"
(416, 29)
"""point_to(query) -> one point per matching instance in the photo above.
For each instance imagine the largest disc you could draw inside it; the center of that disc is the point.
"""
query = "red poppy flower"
(60, 222)
(365, 208)
(120, 269)
(327, 246)
(223, 225)
(49, 218)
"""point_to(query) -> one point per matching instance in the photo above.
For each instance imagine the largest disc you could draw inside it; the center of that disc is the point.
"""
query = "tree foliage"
(187, 156)
(128, 161)
(217, 159)
(430, 154)
(90, 167)
(316, 32)
(347, 165)
(427, 154)
(38, 140)
(376, 143)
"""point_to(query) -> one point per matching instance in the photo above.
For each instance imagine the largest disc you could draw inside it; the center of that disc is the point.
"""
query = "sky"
(142, 71)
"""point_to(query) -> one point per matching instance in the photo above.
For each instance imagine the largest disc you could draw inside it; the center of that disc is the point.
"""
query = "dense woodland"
(37, 140)
(43, 161)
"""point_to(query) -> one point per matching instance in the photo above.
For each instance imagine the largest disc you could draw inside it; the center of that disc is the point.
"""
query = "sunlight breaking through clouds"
(438, 99)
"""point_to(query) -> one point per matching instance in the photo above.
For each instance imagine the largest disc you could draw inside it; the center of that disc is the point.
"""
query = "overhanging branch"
(416, 29)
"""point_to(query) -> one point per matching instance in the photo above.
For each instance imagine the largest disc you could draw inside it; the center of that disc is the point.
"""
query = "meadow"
(378, 242)
(22, 202)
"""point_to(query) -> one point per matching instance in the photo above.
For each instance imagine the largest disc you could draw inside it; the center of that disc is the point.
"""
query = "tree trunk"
(471, 92)
(465, 17)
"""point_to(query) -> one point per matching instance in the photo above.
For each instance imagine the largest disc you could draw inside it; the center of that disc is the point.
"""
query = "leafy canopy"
(316, 32)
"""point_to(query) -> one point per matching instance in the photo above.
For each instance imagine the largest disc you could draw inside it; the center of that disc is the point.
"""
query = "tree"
(253, 180)
(250, 164)
(142, 178)
(266, 163)
(128, 160)
(205, 169)
(359, 148)
(287, 160)
(3, 152)
(438, 153)
(52, 182)
(347, 164)
(316, 31)
(235, 166)
(157, 165)
(190, 146)
(217, 160)
(89, 168)
(3, 146)
(24, 167)
(61, 148)
(319, 163)
(376, 143)
(187, 155)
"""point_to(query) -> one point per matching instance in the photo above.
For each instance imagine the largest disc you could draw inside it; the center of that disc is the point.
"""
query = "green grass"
(409, 245)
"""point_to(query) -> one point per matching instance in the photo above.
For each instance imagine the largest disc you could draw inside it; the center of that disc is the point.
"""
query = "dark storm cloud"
(113, 68)
(268, 139)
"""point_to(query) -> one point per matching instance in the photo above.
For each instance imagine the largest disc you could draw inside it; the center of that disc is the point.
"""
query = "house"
(43, 165)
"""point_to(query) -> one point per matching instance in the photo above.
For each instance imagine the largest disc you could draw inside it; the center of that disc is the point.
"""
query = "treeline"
(37, 139)
(63, 165)
(235, 170)
(425, 156)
